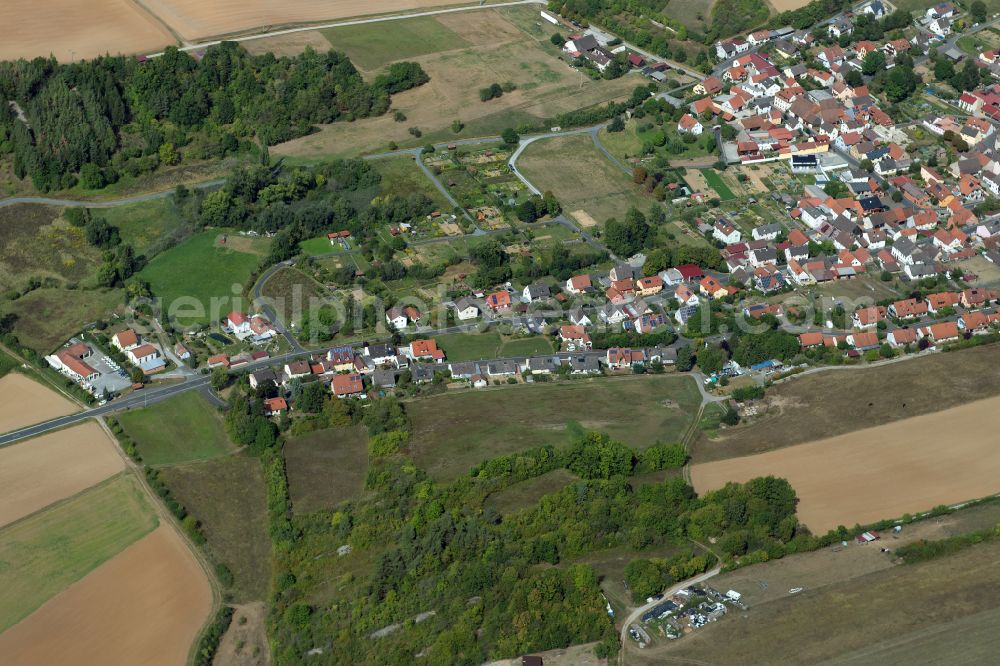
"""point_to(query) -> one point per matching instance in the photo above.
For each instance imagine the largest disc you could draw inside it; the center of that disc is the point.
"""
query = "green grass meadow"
(460, 347)
(454, 431)
(374, 45)
(199, 269)
(181, 429)
(715, 180)
(48, 551)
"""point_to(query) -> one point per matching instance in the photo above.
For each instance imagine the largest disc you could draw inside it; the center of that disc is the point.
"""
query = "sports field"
(868, 475)
(40, 471)
(146, 605)
(453, 432)
(581, 177)
(181, 429)
(73, 30)
(50, 550)
(200, 280)
(27, 402)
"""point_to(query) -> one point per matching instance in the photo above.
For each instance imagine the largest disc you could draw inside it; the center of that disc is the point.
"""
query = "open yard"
(48, 551)
(47, 317)
(453, 432)
(460, 347)
(581, 177)
(506, 45)
(73, 30)
(868, 475)
(146, 605)
(326, 467)
(943, 611)
(181, 429)
(27, 402)
(200, 280)
(226, 495)
(533, 346)
(839, 401)
(40, 471)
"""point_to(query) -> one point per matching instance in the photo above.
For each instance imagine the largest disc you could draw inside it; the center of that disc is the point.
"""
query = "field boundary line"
(65, 500)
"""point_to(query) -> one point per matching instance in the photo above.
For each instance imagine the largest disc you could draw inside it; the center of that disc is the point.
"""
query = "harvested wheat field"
(27, 402)
(40, 471)
(196, 19)
(146, 605)
(74, 30)
(787, 5)
(883, 472)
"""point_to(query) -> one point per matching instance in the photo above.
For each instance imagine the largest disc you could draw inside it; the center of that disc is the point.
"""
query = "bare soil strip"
(26, 402)
(38, 472)
(882, 472)
(144, 606)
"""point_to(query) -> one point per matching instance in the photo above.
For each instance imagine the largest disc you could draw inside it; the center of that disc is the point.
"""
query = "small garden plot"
(714, 180)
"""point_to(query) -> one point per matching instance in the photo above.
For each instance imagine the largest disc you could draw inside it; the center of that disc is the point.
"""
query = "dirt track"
(69, 29)
(144, 606)
(26, 402)
(37, 472)
(883, 472)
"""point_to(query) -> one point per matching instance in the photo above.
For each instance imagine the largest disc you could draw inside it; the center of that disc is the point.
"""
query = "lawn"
(374, 45)
(533, 346)
(628, 143)
(145, 225)
(715, 180)
(48, 317)
(469, 346)
(455, 431)
(181, 429)
(197, 280)
(581, 177)
(227, 497)
(326, 467)
(46, 552)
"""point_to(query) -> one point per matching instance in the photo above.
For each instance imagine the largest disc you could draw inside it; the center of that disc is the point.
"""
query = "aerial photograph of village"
(499, 333)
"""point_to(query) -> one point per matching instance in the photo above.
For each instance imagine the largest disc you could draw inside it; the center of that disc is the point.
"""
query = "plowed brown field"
(144, 606)
(868, 475)
(25, 401)
(40, 471)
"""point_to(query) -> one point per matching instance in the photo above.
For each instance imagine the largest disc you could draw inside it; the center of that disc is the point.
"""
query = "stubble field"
(144, 606)
(868, 475)
(40, 471)
(74, 30)
(26, 402)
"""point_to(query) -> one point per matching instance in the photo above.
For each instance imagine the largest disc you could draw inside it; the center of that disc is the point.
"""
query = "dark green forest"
(95, 120)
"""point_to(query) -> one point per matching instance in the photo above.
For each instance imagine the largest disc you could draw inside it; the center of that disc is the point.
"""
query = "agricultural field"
(453, 432)
(715, 181)
(227, 496)
(326, 467)
(198, 20)
(181, 429)
(146, 605)
(47, 317)
(52, 467)
(582, 178)
(940, 611)
(838, 401)
(48, 551)
(27, 402)
(881, 472)
(36, 243)
(200, 272)
(506, 45)
(375, 45)
(72, 30)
